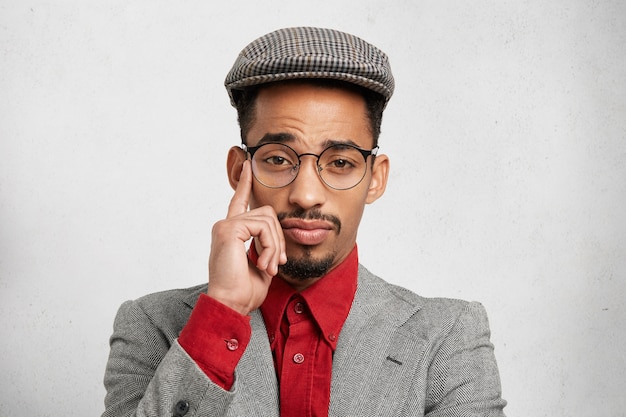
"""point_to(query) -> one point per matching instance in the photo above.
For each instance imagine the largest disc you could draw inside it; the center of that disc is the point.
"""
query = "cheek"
(263, 196)
(351, 213)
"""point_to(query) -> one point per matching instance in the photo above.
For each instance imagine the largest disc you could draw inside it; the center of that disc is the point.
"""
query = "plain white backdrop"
(507, 137)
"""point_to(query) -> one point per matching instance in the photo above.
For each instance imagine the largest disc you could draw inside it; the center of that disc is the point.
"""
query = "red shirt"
(303, 329)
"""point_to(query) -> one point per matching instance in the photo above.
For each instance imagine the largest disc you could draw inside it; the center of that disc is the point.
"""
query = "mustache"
(313, 214)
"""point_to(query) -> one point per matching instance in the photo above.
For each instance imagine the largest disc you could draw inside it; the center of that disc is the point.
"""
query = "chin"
(306, 266)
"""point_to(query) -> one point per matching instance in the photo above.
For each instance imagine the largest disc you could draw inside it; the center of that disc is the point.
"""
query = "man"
(295, 326)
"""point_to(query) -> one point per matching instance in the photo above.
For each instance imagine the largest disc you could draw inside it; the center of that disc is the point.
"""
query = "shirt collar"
(329, 299)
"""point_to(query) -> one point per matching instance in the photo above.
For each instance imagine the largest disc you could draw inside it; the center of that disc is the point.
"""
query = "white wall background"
(508, 141)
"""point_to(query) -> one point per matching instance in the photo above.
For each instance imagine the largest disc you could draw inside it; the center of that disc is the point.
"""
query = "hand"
(233, 280)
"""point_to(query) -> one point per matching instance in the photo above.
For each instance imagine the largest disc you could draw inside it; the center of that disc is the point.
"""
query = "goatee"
(306, 268)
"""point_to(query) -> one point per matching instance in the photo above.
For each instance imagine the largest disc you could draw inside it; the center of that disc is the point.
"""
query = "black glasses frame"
(251, 150)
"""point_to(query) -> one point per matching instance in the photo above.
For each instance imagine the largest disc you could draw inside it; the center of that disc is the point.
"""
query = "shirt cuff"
(215, 337)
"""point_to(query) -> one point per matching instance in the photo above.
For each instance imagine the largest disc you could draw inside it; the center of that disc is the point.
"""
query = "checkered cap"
(306, 52)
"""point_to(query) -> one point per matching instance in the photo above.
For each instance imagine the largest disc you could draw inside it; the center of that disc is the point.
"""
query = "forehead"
(310, 114)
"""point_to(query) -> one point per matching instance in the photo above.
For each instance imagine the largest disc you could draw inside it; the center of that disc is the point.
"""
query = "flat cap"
(308, 52)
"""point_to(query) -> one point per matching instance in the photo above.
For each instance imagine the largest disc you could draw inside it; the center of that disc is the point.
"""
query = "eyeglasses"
(340, 166)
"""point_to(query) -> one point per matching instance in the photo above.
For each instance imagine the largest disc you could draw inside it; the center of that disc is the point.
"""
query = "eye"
(340, 163)
(276, 160)
(276, 157)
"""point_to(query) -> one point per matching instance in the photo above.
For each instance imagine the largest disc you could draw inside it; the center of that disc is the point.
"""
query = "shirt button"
(232, 344)
(298, 358)
(298, 308)
(332, 337)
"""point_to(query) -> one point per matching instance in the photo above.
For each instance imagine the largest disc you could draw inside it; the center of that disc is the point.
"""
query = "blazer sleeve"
(463, 378)
(149, 374)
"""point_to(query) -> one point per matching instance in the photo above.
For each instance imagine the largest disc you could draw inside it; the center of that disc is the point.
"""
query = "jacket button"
(181, 408)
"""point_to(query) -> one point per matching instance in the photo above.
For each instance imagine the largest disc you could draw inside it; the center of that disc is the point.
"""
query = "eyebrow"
(276, 138)
(290, 138)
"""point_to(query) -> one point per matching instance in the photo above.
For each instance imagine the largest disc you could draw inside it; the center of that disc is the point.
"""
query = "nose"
(307, 190)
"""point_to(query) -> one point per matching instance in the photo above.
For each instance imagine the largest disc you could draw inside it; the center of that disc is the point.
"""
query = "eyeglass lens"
(340, 166)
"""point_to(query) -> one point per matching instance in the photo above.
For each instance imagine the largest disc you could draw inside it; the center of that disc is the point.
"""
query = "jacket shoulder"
(168, 298)
(167, 310)
(433, 313)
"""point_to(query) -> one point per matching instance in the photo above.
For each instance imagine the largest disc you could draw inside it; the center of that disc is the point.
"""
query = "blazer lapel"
(373, 365)
(374, 362)
(255, 375)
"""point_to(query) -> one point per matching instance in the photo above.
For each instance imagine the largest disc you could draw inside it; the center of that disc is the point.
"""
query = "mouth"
(306, 232)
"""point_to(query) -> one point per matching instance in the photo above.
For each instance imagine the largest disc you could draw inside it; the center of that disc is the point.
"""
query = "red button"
(332, 337)
(299, 308)
(298, 358)
(232, 344)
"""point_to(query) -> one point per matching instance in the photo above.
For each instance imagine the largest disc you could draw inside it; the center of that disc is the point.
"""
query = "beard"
(306, 267)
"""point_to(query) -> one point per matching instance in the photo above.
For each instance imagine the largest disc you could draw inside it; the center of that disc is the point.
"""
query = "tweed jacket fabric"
(398, 354)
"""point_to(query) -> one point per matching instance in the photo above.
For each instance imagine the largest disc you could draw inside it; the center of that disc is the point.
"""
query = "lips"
(307, 233)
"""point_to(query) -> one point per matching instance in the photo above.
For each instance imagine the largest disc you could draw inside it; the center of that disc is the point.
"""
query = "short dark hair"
(245, 101)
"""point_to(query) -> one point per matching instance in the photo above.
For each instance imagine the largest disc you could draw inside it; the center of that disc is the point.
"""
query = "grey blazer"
(398, 354)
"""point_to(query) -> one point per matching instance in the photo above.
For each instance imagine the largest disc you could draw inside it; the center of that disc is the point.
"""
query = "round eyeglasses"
(340, 166)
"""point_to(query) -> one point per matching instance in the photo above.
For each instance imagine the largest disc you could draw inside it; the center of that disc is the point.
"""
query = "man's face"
(319, 223)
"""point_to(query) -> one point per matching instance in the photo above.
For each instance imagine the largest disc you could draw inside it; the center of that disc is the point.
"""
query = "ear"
(378, 182)
(234, 164)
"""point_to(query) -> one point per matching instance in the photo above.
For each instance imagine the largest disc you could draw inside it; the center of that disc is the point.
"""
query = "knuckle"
(267, 210)
(221, 229)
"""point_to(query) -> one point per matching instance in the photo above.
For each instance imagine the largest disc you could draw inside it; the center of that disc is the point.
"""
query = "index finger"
(241, 199)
